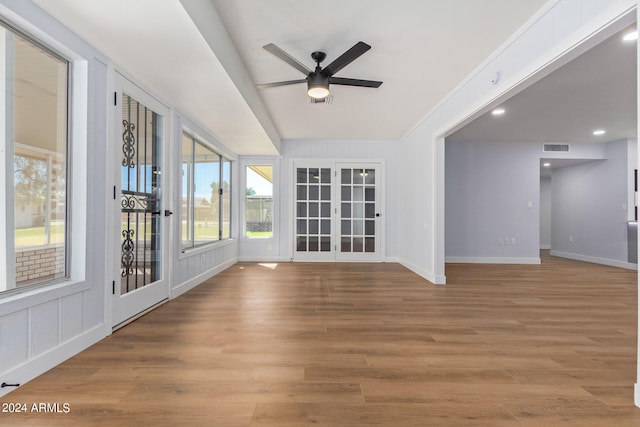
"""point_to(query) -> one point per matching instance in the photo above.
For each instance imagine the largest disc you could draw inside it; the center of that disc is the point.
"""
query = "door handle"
(378, 215)
(167, 212)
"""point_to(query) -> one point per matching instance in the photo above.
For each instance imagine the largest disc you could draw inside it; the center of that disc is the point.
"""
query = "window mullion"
(7, 214)
(192, 195)
(220, 193)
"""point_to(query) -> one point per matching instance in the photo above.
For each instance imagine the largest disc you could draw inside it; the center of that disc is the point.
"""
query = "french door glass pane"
(357, 210)
(313, 202)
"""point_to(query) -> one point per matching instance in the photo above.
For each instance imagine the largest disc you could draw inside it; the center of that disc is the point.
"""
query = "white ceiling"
(597, 90)
(420, 49)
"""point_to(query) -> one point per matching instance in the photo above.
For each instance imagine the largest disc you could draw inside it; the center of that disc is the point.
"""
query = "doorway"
(141, 133)
(338, 211)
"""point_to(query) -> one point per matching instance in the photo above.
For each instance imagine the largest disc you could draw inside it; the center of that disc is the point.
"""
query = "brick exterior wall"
(41, 262)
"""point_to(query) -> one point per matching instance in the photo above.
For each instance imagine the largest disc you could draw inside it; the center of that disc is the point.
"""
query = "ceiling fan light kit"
(317, 85)
(318, 80)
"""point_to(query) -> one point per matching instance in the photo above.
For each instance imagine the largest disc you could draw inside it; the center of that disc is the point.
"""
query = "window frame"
(55, 50)
(248, 166)
(276, 163)
(190, 186)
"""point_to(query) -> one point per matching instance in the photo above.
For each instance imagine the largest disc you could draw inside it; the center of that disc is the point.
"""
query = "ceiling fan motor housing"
(317, 85)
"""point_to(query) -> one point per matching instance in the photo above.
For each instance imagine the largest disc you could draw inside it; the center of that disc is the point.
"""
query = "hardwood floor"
(364, 344)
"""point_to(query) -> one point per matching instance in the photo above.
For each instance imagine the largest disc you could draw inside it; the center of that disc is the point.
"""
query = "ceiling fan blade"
(346, 58)
(272, 48)
(276, 84)
(354, 82)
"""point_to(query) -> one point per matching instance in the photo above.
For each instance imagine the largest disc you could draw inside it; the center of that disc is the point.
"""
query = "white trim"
(246, 161)
(204, 248)
(250, 258)
(491, 260)
(431, 277)
(130, 305)
(40, 294)
(636, 394)
(333, 164)
(201, 278)
(40, 364)
(545, 246)
(605, 24)
(184, 124)
(595, 260)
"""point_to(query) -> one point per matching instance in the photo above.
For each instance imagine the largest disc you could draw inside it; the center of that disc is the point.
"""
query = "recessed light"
(599, 132)
(631, 36)
(546, 165)
(498, 111)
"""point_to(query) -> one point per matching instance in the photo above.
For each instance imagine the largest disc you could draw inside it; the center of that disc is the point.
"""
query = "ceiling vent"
(555, 148)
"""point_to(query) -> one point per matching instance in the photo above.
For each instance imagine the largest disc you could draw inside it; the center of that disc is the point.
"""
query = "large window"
(259, 201)
(34, 145)
(206, 194)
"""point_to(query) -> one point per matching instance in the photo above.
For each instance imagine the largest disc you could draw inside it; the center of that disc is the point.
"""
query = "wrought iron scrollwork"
(128, 144)
(128, 253)
(133, 201)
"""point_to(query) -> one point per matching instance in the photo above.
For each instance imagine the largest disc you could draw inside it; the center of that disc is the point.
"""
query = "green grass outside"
(259, 234)
(36, 236)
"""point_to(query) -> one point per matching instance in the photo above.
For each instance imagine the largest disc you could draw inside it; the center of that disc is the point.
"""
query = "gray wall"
(493, 196)
(589, 208)
(545, 213)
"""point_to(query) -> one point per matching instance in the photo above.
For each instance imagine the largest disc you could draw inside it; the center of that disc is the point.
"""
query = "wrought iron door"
(140, 263)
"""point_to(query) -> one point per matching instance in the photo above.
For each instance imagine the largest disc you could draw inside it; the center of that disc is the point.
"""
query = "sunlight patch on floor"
(272, 265)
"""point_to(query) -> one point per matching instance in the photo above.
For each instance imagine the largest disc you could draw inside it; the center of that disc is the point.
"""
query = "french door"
(141, 129)
(337, 214)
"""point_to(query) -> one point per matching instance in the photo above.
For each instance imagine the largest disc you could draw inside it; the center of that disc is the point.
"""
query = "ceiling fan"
(318, 80)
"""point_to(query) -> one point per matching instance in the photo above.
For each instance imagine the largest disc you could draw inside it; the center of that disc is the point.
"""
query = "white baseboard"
(491, 260)
(595, 260)
(249, 258)
(545, 246)
(636, 394)
(195, 281)
(431, 277)
(42, 363)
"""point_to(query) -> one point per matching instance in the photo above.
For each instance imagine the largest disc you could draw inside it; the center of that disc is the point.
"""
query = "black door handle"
(167, 212)
(377, 215)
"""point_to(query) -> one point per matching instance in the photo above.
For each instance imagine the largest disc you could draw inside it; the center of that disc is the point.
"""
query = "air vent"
(563, 148)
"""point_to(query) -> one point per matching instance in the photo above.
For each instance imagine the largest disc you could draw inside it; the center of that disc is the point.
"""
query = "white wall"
(559, 32)
(281, 248)
(590, 208)
(193, 266)
(41, 327)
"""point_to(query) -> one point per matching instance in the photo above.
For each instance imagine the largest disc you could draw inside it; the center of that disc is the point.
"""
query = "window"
(259, 201)
(206, 194)
(33, 145)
